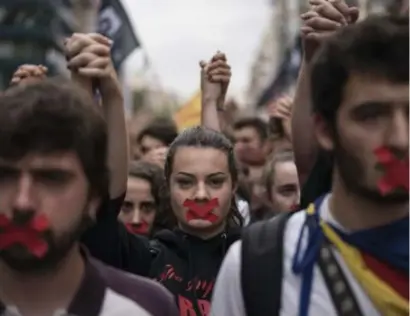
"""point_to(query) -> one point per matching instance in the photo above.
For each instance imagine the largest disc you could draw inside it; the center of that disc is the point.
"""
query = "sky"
(177, 34)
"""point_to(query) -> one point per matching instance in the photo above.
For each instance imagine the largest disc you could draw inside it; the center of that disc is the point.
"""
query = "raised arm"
(90, 62)
(215, 77)
(323, 18)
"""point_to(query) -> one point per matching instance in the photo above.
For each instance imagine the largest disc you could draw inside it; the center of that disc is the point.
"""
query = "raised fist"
(89, 56)
(28, 74)
(322, 20)
(215, 78)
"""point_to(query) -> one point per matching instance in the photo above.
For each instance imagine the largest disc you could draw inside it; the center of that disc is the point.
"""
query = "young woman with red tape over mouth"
(200, 167)
(143, 197)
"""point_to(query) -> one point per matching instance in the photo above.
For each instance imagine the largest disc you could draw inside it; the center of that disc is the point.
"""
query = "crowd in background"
(305, 213)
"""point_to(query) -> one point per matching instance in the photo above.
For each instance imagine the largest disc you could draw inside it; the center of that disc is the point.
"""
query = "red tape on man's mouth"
(28, 235)
(396, 171)
(139, 229)
(201, 210)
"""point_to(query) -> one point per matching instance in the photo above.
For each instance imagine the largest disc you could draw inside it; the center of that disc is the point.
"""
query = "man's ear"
(323, 133)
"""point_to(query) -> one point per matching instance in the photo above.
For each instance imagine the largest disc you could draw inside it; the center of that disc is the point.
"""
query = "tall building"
(281, 35)
(32, 32)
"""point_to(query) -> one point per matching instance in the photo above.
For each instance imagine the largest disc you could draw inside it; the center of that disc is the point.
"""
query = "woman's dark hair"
(151, 173)
(155, 176)
(207, 138)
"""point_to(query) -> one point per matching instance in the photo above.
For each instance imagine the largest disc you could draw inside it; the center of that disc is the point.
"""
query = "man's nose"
(24, 200)
(398, 133)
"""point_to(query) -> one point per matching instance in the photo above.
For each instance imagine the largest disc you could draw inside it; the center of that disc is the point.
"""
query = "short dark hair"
(206, 138)
(51, 116)
(254, 122)
(379, 46)
(164, 130)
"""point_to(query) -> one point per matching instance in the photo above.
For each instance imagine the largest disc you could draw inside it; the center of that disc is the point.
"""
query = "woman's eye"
(216, 182)
(184, 183)
(127, 207)
(288, 191)
(148, 208)
(54, 178)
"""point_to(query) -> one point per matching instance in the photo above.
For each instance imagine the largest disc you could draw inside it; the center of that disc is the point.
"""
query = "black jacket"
(186, 265)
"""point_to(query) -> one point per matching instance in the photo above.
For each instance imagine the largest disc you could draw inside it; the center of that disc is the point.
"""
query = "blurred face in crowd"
(374, 112)
(54, 186)
(148, 143)
(139, 205)
(200, 174)
(249, 147)
(259, 197)
(285, 191)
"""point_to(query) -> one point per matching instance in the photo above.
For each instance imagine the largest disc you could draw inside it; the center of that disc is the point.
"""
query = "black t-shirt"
(109, 242)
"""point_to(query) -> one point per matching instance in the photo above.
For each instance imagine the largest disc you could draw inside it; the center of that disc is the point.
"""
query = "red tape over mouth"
(201, 210)
(140, 229)
(28, 235)
(396, 171)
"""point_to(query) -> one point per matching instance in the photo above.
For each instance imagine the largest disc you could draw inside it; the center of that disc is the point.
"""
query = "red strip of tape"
(140, 229)
(396, 171)
(201, 210)
(28, 235)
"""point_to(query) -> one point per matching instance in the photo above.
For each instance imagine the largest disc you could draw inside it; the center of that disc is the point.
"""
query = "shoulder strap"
(262, 253)
(339, 288)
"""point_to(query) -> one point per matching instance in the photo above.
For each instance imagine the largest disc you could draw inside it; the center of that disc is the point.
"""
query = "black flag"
(114, 23)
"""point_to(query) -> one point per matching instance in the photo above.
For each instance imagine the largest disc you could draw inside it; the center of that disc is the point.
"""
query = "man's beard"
(352, 174)
(21, 260)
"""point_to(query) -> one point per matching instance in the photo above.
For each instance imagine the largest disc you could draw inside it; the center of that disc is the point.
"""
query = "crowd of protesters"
(306, 214)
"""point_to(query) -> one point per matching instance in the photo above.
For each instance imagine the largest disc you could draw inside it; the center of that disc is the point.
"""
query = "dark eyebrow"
(209, 175)
(370, 106)
(216, 174)
(186, 174)
(128, 203)
(52, 170)
(148, 203)
(39, 169)
(8, 167)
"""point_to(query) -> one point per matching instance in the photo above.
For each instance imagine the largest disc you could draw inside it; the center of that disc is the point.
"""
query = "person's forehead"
(246, 131)
(64, 160)
(362, 88)
(200, 160)
(136, 183)
(138, 189)
(285, 171)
